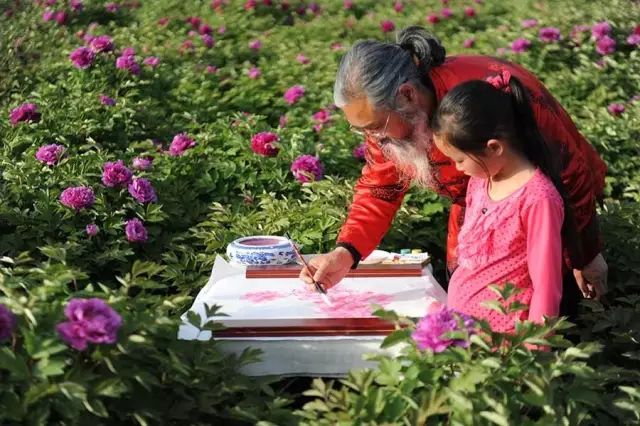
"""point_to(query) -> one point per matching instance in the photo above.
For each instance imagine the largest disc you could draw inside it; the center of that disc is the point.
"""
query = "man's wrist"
(355, 254)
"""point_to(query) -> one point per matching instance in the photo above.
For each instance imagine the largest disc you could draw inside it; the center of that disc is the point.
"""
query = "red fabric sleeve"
(543, 226)
(378, 195)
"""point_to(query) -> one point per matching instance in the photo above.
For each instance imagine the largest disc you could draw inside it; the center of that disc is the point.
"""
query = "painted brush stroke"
(263, 296)
(345, 303)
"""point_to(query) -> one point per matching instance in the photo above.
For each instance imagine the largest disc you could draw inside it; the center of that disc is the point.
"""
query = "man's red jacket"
(379, 191)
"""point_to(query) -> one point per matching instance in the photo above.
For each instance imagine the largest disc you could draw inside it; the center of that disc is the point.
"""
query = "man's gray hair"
(375, 69)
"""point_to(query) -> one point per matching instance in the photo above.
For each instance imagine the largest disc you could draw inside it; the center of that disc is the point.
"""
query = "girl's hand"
(592, 279)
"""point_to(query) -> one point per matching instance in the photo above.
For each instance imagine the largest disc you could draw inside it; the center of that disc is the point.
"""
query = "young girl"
(515, 216)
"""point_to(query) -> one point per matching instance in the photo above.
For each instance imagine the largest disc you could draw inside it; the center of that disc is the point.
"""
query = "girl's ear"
(495, 147)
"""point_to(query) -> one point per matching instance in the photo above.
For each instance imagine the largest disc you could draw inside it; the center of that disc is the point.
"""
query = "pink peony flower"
(255, 44)
(50, 154)
(307, 168)
(601, 29)
(293, 94)
(92, 229)
(128, 62)
(112, 7)
(529, 23)
(82, 57)
(89, 321)
(115, 175)
(302, 59)
(205, 29)
(101, 43)
(359, 152)
(633, 39)
(254, 73)
(61, 17)
(433, 18)
(347, 4)
(77, 197)
(26, 112)
(263, 143)
(48, 15)
(431, 330)
(152, 61)
(549, 34)
(106, 100)
(446, 13)
(615, 109)
(387, 26)
(180, 144)
(207, 40)
(520, 45)
(142, 190)
(211, 69)
(142, 163)
(605, 45)
(469, 12)
(398, 6)
(135, 231)
(468, 43)
(163, 21)
(282, 122)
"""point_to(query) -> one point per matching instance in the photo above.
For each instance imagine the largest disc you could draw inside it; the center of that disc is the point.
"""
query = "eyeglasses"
(372, 133)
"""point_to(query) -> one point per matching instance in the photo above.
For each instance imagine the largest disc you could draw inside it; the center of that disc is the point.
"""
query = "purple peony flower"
(128, 62)
(25, 112)
(600, 30)
(307, 168)
(549, 34)
(254, 73)
(263, 143)
(89, 321)
(605, 45)
(116, 174)
(50, 154)
(135, 231)
(529, 23)
(128, 51)
(92, 229)
(152, 61)
(360, 151)
(615, 109)
(106, 100)
(82, 57)
(520, 45)
(293, 94)
(180, 144)
(7, 323)
(102, 43)
(207, 40)
(431, 329)
(77, 197)
(142, 163)
(387, 26)
(142, 191)
(468, 43)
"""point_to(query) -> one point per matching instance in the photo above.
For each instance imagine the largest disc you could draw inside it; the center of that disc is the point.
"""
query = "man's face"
(404, 137)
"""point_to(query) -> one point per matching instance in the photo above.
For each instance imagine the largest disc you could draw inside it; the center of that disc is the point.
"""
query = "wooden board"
(306, 327)
(375, 270)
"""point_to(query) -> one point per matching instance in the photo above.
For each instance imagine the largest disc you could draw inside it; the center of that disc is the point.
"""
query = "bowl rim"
(284, 242)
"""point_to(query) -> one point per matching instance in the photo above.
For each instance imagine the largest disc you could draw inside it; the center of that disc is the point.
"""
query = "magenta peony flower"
(89, 321)
(48, 15)
(314, 8)
(387, 26)
(469, 12)
(615, 109)
(128, 51)
(398, 6)
(307, 168)
(128, 62)
(92, 229)
(211, 69)
(7, 323)
(255, 44)
(347, 4)
(263, 143)
(605, 45)
(106, 100)
(431, 329)
(61, 17)
(143, 163)
(50, 154)
(112, 7)
(549, 34)
(180, 144)
(163, 21)
(76, 5)
(633, 39)
(205, 29)
(577, 31)
(360, 151)
(446, 13)
(135, 231)
(101, 43)
(250, 5)
(433, 18)
(293, 94)
(152, 61)
(142, 190)
(468, 43)
(25, 112)
(520, 45)
(77, 197)
(600, 30)
(82, 57)
(529, 23)
(116, 174)
(302, 59)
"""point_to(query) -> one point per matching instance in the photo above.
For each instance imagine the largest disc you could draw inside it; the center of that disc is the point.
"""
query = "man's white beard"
(410, 155)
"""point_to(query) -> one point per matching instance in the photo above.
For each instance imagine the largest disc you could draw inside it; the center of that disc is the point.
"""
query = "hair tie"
(501, 81)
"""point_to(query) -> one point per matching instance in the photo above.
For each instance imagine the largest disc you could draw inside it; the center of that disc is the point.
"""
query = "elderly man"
(388, 92)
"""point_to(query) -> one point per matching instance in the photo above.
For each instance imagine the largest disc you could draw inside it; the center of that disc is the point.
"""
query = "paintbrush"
(316, 284)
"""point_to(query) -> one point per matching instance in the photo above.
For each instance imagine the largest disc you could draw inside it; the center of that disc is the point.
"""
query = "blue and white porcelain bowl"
(261, 250)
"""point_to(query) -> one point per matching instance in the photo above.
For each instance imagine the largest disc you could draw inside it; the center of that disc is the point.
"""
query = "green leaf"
(396, 337)
(14, 364)
(494, 417)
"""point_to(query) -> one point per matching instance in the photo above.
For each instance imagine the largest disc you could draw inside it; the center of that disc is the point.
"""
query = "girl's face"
(471, 165)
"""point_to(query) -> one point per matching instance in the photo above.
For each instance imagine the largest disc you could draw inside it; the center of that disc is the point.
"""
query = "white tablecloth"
(302, 356)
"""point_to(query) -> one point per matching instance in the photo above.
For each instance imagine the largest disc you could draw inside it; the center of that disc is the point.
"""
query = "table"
(328, 355)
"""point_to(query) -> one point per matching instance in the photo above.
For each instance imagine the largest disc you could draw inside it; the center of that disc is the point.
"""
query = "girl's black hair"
(476, 111)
